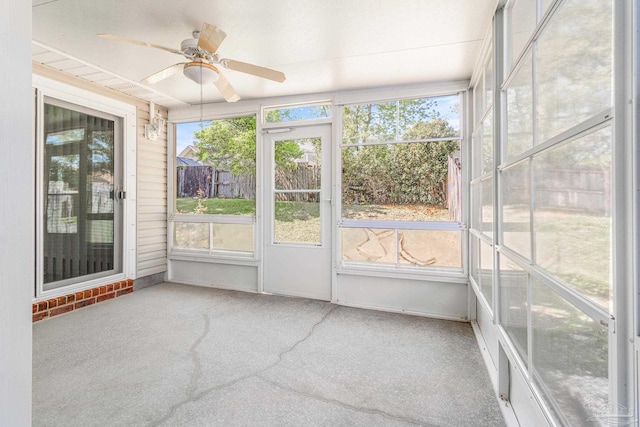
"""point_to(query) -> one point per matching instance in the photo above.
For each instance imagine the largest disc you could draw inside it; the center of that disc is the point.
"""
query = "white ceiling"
(321, 45)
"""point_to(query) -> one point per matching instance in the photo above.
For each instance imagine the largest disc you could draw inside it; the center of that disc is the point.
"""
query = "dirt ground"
(396, 212)
(414, 247)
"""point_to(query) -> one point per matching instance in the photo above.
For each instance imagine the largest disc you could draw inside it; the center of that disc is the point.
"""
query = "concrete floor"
(176, 355)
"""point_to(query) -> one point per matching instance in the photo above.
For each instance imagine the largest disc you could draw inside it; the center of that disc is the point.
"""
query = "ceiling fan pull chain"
(201, 126)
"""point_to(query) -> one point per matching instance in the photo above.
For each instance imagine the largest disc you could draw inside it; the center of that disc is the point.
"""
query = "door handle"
(120, 194)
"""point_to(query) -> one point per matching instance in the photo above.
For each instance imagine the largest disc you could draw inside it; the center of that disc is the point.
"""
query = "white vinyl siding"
(152, 198)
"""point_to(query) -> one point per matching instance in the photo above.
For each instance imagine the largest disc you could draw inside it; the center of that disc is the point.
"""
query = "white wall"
(17, 169)
(424, 297)
(193, 271)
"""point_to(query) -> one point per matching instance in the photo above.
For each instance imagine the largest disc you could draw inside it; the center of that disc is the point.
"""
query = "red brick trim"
(64, 304)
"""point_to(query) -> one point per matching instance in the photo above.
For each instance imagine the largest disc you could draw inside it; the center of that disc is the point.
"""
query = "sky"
(184, 134)
(449, 107)
(185, 131)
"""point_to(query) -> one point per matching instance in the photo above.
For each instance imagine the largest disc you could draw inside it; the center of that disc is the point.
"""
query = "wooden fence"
(584, 190)
(573, 189)
(219, 183)
(306, 176)
(214, 183)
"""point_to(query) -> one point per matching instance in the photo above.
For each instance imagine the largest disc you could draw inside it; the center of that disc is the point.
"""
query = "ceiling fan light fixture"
(201, 72)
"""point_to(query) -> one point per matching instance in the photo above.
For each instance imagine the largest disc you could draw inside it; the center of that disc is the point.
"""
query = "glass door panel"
(79, 183)
(297, 218)
(297, 187)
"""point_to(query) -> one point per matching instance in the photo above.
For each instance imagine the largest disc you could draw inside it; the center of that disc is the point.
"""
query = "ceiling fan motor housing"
(189, 48)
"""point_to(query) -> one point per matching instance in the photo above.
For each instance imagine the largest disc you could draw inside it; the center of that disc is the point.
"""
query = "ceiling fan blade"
(243, 67)
(138, 42)
(211, 38)
(163, 74)
(226, 89)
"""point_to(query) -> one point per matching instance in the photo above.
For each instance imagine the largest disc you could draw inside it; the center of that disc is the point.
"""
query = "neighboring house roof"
(186, 161)
(190, 152)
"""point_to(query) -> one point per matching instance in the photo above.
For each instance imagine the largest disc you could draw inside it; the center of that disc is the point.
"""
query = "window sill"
(435, 274)
(216, 258)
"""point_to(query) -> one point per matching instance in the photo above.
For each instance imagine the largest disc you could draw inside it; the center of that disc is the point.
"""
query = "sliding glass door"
(81, 208)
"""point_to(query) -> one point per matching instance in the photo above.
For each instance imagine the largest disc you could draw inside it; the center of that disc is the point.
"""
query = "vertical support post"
(17, 233)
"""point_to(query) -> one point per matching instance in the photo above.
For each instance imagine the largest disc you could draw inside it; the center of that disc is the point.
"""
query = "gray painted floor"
(176, 355)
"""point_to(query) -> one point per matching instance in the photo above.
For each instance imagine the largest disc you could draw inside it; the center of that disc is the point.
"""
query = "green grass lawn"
(217, 206)
(301, 211)
(285, 211)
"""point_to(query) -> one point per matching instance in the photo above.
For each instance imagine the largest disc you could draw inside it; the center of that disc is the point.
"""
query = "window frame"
(478, 175)
(400, 270)
(296, 123)
(173, 217)
(621, 173)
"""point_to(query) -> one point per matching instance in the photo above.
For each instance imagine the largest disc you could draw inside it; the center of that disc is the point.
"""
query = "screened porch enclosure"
(547, 194)
(335, 229)
(533, 224)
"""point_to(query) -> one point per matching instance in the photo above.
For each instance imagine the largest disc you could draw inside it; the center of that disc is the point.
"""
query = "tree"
(230, 144)
(419, 170)
(399, 172)
(101, 151)
(365, 174)
(384, 122)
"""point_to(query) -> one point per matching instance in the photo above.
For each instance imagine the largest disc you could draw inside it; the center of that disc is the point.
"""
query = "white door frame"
(127, 113)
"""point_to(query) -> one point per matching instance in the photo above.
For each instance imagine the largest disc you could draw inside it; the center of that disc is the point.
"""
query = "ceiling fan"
(203, 62)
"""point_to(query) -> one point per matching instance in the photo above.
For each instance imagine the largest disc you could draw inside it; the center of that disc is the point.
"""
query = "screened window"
(572, 214)
(486, 272)
(516, 203)
(215, 182)
(514, 283)
(574, 82)
(401, 174)
(297, 113)
(519, 108)
(482, 181)
(569, 353)
(486, 166)
(556, 260)
(523, 15)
